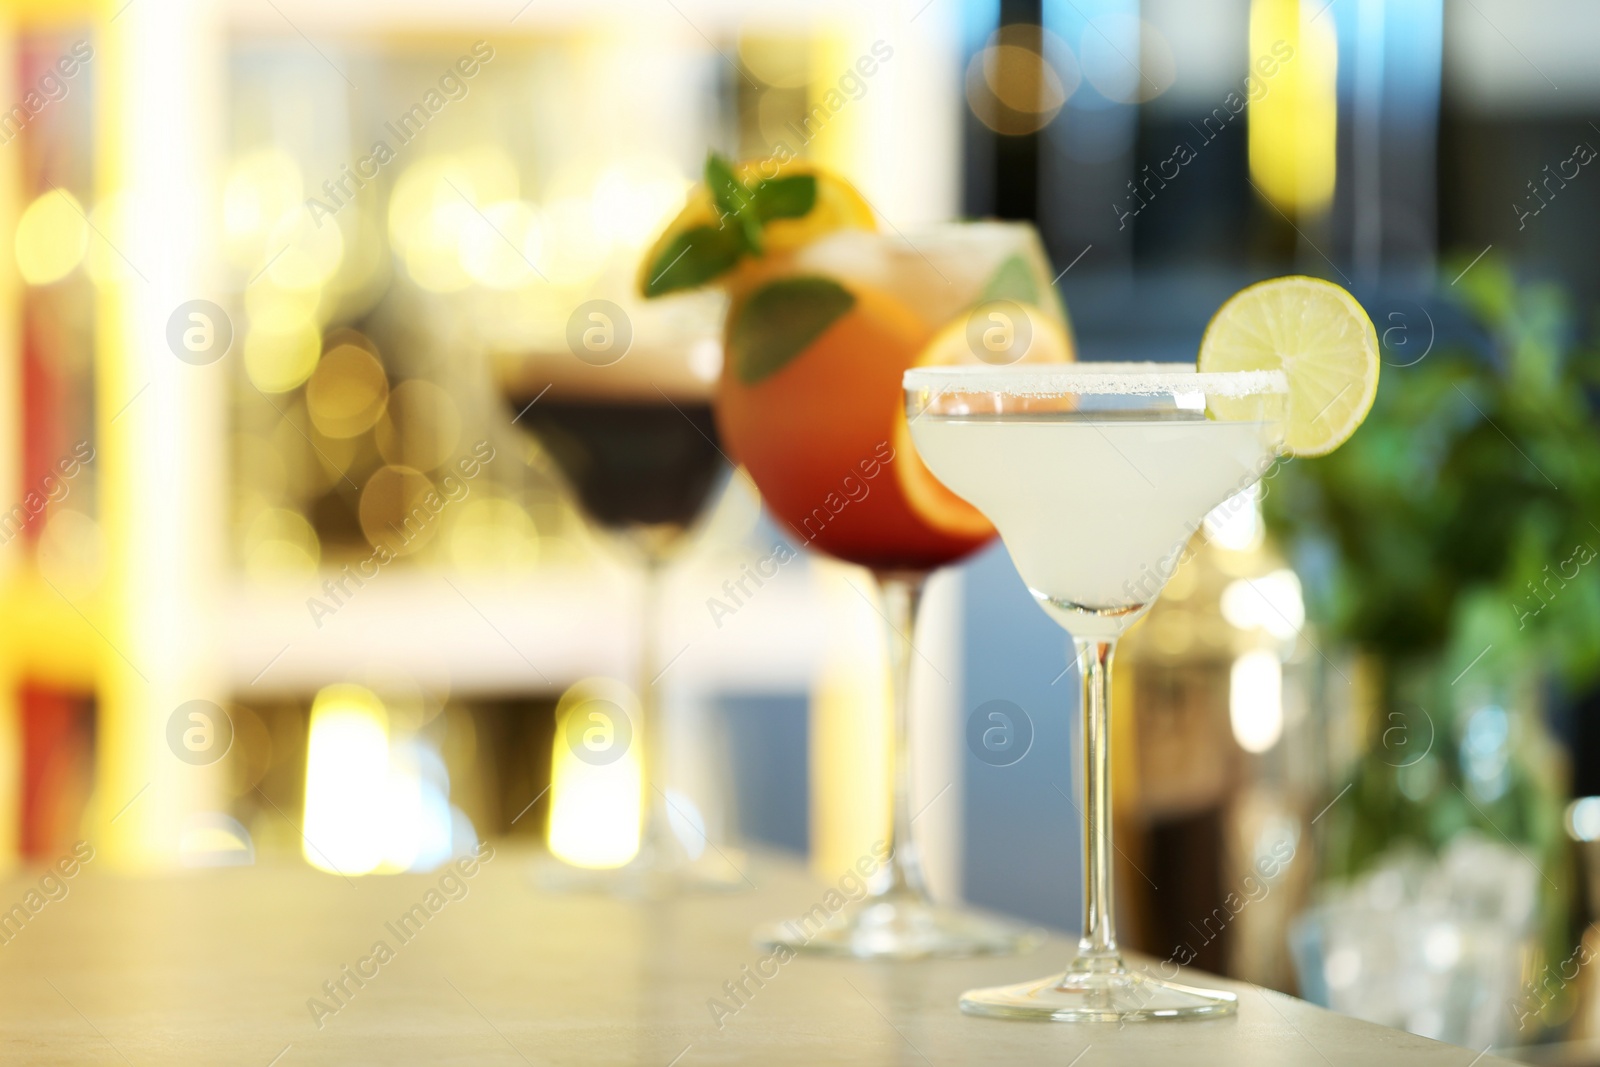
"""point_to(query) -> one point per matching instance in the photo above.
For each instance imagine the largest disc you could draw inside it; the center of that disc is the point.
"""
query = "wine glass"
(636, 445)
(1096, 476)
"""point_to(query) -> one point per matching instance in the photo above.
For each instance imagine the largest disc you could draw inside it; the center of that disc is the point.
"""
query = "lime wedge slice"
(1323, 341)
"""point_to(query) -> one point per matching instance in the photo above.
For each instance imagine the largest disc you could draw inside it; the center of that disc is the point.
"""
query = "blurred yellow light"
(1293, 125)
(280, 543)
(497, 250)
(269, 560)
(477, 177)
(433, 255)
(1255, 701)
(279, 360)
(348, 391)
(262, 190)
(412, 202)
(435, 209)
(303, 253)
(850, 744)
(572, 250)
(486, 174)
(394, 509)
(51, 238)
(595, 806)
(493, 534)
(103, 262)
(635, 197)
(347, 777)
(1271, 602)
(780, 60)
(273, 308)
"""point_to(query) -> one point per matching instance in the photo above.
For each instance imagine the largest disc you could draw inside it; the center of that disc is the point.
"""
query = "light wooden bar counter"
(221, 966)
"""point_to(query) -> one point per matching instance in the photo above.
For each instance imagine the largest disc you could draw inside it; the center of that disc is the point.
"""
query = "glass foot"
(645, 879)
(1098, 997)
(904, 928)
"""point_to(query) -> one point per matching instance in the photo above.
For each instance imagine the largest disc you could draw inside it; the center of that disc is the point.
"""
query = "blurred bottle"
(1220, 763)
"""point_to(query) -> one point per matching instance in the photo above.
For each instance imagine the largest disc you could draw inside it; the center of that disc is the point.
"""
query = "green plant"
(1465, 513)
(1453, 541)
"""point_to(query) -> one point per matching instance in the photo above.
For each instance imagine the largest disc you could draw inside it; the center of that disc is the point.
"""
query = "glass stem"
(655, 832)
(902, 594)
(1097, 948)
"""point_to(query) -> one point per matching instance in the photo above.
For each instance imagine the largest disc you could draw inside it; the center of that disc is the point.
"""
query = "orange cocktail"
(825, 315)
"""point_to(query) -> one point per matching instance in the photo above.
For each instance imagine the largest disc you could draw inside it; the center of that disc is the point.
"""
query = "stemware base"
(1116, 996)
(900, 928)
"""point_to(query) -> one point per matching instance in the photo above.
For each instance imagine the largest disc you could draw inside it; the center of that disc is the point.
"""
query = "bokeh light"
(347, 778)
(348, 392)
(436, 202)
(304, 253)
(279, 360)
(572, 251)
(1272, 602)
(498, 249)
(1021, 80)
(635, 197)
(262, 190)
(394, 511)
(594, 807)
(1255, 701)
(52, 236)
(280, 544)
(269, 306)
(1293, 129)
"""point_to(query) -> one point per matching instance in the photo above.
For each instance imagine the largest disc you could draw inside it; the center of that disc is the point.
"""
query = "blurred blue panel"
(770, 767)
(1022, 835)
(1086, 153)
(1390, 65)
(1074, 20)
(978, 20)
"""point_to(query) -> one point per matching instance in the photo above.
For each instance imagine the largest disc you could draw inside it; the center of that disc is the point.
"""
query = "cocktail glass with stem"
(810, 404)
(636, 445)
(1096, 476)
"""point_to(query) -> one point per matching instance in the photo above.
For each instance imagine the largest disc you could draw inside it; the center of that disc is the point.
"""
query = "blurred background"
(1357, 746)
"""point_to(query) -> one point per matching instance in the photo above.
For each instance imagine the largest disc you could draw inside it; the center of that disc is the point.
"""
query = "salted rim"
(1101, 379)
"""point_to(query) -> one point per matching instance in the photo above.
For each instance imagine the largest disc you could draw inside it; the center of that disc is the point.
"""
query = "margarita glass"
(1096, 476)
